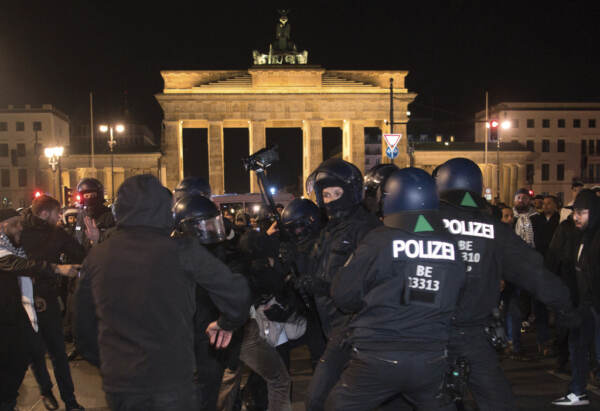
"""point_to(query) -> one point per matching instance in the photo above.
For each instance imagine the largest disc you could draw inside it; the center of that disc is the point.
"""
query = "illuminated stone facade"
(306, 97)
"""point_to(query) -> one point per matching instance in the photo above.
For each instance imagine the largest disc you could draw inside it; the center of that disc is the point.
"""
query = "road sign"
(392, 141)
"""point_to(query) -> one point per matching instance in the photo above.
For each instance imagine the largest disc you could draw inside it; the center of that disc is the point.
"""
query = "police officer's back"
(403, 283)
(491, 252)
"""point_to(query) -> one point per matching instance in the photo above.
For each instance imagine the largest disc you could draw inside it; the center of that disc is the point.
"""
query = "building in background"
(565, 137)
(24, 132)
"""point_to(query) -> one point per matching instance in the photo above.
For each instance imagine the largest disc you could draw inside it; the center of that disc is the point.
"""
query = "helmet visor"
(208, 231)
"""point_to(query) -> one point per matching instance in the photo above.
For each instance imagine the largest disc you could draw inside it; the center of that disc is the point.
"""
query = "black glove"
(312, 286)
(569, 318)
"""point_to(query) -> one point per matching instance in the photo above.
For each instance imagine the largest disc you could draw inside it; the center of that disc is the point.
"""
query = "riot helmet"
(192, 185)
(301, 218)
(374, 183)
(90, 192)
(336, 172)
(459, 174)
(196, 215)
(409, 189)
(310, 183)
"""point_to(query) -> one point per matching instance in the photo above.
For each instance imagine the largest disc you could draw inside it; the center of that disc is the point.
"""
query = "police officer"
(374, 183)
(338, 188)
(403, 283)
(192, 185)
(492, 252)
(198, 217)
(301, 219)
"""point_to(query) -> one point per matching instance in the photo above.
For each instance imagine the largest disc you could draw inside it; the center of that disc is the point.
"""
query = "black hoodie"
(587, 270)
(137, 291)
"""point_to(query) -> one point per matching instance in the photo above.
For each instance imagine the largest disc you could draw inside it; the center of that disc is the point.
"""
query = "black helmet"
(301, 218)
(409, 189)
(459, 174)
(310, 182)
(197, 215)
(336, 172)
(192, 185)
(91, 192)
(374, 182)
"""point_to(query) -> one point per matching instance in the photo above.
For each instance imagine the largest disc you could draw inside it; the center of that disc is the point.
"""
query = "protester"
(136, 303)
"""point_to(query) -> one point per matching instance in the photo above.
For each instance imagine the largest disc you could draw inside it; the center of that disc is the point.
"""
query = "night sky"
(57, 52)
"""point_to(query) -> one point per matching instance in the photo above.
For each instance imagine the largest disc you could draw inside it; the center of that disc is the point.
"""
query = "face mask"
(341, 207)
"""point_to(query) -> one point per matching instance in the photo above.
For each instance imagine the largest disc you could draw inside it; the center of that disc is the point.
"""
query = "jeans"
(328, 372)
(581, 341)
(487, 383)
(372, 377)
(181, 399)
(264, 359)
(51, 337)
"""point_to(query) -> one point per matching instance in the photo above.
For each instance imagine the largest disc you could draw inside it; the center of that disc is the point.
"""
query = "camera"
(262, 159)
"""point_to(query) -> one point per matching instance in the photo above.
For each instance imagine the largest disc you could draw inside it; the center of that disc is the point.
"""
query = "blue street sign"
(391, 153)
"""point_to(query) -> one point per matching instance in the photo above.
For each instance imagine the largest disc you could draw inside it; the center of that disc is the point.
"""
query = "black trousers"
(209, 374)
(329, 369)
(14, 359)
(372, 377)
(183, 398)
(50, 337)
(487, 382)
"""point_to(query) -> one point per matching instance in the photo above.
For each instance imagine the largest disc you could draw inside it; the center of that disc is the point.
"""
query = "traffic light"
(68, 196)
(493, 126)
(37, 193)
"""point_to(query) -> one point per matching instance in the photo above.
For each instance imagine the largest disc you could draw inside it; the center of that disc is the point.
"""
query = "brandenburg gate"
(280, 90)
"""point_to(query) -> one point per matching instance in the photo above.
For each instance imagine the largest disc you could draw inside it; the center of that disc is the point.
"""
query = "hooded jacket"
(137, 294)
(587, 257)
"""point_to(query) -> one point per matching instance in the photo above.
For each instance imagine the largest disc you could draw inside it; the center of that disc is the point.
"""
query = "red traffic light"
(494, 123)
(531, 193)
(37, 194)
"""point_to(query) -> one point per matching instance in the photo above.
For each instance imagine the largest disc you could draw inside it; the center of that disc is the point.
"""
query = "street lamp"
(119, 128)
(53, 154)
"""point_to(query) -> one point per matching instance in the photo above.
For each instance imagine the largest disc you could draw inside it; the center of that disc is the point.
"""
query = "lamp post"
(53, 154)
(119, 128)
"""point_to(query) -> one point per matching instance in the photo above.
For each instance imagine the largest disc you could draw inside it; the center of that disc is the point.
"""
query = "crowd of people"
(406, 288)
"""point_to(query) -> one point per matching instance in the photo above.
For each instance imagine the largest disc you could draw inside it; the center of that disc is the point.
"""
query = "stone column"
(521, 176)
(172, 147)
(119, 178)
(108, 184)
(506, 181)
(353, 142)
(514, 180)
(312, 148)
(257, 134)
(216, 161)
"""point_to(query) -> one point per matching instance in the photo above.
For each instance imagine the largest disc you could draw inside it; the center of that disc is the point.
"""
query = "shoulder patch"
(468, 201)
(422, 225)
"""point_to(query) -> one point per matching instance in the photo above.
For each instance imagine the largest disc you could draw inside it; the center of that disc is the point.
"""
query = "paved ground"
(533, 384)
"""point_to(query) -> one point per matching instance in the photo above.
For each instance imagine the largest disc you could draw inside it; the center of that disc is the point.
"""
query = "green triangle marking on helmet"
(468, 201)
(422, 225)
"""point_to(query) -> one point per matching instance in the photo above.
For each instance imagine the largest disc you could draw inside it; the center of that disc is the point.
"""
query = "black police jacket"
(492, 252)
(336, 243)
(403, 285)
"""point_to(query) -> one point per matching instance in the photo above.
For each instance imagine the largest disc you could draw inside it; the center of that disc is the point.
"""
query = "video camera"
(262, 159)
